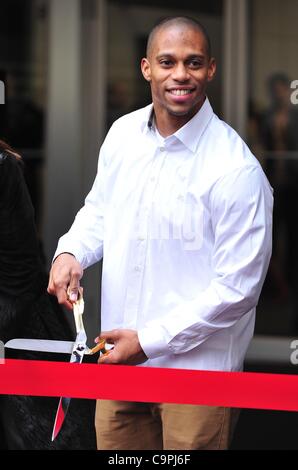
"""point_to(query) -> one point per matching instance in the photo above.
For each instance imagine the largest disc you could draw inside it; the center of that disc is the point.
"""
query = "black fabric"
(27, 311)
(19, 251)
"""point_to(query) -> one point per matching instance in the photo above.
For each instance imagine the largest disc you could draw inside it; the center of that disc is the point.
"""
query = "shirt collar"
(191, 132)
(147, 119)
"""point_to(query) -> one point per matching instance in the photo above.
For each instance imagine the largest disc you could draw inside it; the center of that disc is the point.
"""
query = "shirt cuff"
(71, 250)
(153, 342)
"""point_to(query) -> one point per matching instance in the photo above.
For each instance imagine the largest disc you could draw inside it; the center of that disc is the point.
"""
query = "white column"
(75, 124)
(62, 185)
(94, 47)
(94, 69)
(235, 66)
(2, 92)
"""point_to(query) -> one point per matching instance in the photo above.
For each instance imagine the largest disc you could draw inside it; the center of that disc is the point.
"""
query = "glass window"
(23, 66)
(273, 136)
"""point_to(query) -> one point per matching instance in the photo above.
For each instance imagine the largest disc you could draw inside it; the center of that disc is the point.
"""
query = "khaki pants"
(124, 425)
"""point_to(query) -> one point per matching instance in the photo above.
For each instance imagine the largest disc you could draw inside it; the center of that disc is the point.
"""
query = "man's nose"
(180, 73)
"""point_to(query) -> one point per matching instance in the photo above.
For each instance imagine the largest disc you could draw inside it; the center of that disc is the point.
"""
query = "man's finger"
(74, 286)
(109, 336)
(63, 299)
(51, 288)
(73, 293)
(106, 358)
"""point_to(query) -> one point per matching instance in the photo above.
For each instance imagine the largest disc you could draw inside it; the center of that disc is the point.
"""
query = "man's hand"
(65, 278)
(127, 348)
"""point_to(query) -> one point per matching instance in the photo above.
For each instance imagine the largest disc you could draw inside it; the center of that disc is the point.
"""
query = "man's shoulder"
(233, 162)
(132, 120)
(124, 134)
(225, 132)
(228, 147)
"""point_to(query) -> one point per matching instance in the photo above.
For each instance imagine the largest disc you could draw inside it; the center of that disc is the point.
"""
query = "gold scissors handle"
(100, 347)
(78, 310)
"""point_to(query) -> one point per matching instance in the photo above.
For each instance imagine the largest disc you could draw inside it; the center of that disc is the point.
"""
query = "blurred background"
(71, 67)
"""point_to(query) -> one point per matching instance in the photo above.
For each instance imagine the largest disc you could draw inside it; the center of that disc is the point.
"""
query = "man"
(180, 210)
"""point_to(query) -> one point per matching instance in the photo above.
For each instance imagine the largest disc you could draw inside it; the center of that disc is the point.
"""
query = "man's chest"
(158, 192)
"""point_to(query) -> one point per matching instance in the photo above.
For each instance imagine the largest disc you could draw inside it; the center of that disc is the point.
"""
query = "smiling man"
(179, 67)
(181, 213)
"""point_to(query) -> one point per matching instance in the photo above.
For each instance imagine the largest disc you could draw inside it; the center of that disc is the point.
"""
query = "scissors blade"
(42, 345)
(60, 416)
(76, 358)
(64, 401)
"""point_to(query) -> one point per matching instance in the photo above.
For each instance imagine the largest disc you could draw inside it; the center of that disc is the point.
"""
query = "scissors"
(77, 349)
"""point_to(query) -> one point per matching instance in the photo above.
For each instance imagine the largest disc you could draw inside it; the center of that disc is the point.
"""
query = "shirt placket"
(140, 243)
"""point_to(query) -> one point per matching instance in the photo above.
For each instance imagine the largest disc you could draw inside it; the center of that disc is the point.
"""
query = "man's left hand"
(127, 348)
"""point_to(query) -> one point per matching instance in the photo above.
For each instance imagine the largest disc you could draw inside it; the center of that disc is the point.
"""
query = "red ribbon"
(130, 383)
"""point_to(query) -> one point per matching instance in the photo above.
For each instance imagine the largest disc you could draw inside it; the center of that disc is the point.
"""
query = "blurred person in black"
(280, 141)
(22, 125)
(27, 311)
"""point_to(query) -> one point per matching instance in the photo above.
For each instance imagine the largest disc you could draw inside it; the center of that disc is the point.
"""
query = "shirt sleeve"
(85, 238)
(241, 213)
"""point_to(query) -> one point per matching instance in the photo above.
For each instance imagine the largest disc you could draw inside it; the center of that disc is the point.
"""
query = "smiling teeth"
(180, 92)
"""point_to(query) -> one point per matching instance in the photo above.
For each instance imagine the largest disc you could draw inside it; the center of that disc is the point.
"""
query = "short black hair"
(178, 20)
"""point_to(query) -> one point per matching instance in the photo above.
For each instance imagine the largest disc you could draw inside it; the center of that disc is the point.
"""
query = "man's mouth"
(180, 92)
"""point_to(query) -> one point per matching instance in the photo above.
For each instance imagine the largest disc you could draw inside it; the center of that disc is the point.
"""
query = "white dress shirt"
(184, 228)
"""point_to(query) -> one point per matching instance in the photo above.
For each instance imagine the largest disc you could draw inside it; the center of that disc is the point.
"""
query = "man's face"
(178, 69)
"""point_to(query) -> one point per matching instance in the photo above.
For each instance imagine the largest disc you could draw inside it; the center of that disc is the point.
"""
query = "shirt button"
(162, 149)
(137, 269)
(152, 179)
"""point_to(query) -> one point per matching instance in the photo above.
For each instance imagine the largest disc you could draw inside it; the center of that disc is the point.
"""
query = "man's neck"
(167, 124)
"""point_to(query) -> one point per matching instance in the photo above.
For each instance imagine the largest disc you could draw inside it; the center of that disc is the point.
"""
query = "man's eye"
(165, 63)
(195, 64)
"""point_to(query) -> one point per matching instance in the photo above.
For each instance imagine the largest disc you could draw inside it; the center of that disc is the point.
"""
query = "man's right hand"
(65, 278)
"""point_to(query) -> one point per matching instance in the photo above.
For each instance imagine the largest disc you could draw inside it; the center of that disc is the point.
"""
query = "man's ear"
(211, 69)
(146, 69)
